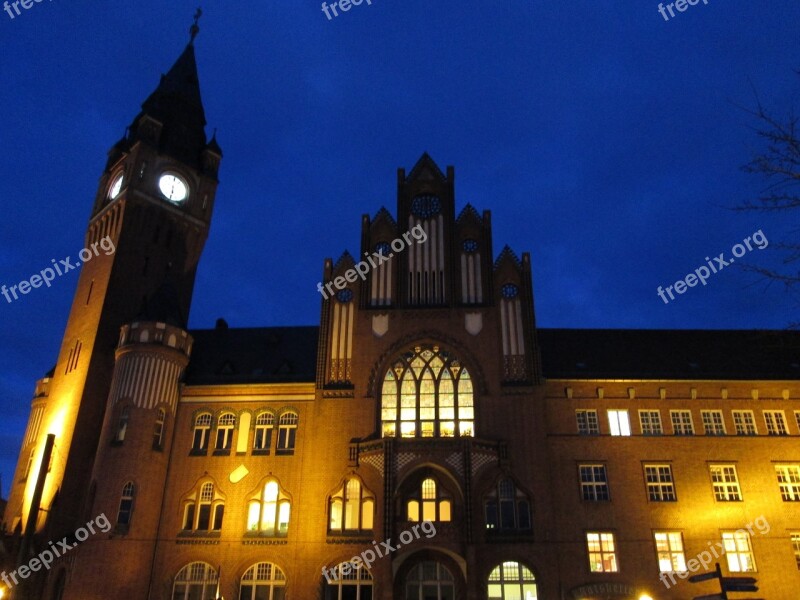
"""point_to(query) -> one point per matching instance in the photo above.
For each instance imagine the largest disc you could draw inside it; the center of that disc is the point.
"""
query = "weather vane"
(195, 29)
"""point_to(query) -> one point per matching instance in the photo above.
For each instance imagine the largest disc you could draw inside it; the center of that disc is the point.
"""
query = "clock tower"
(153, 206)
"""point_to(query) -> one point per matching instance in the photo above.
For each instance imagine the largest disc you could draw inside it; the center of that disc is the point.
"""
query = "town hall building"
(426, 426)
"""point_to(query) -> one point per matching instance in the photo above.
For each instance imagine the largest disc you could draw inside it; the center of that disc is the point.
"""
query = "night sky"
(606, 141)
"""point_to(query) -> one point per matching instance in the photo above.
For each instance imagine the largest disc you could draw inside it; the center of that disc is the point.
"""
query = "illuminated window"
(196, 581)
(158, 431)
(427, 393)
(650, 421)
(126, 505)
(512, 581)
(795, 538)
(669, 546)
(429, 581)
(508, 508)
(203, 510)
(263, 581)
(682, 423)
(602, 552)
(122, 424)
(588, 423)
(776, 422)
(618, 422)
(265, 422)
(346, 581)
(713, 423)
(739, 551)
(268, 511)
(225, 425)
(428, 503)
(202, 431)
(287, 432)
(745, 422)
(594, 482)
(351, 508)
(725, 482)
(660, 486)
(789, 482)
(29, 464)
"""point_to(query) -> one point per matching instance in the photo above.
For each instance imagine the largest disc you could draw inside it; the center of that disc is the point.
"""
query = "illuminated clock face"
(173, 188)
(116, 187)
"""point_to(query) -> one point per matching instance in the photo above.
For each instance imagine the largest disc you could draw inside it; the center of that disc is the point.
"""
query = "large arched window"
(429, 580)
(512, 581)
(429, 502)
(427, 393)
(268, 511)
(347, 581)
(352, 508)
(263, 581)
(507, 508)
(202, 431)
(195, 581)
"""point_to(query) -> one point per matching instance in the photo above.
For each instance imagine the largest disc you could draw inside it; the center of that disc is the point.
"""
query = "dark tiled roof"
(669, 354)
(288, 354)
(258, 355)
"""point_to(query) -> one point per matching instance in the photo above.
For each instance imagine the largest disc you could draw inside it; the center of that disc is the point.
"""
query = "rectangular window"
(602, 552)
(795, 537)
(219, 512)
(789, 482)
(738, 551)
(587, 422)
(594, 483)
(188, 517)
(204, 517)
(660, 486)
(618, 422)
(651, 422)
(669, 546)
(682, 423)
(287, 432)
(797, 419)
(776, 422)
(713, 423)
(725, 482)
(745, 422)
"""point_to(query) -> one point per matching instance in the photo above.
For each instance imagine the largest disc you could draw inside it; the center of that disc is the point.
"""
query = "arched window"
(195, 581)
(265, 422)
(347, 581)
(430, 580)
(268, 511)
(508, 508)
(287, 431)
(158, 432)
(263, 581)
(427, 393)
(352, 508)
(512, 581)
(429, 503)
(202, 429)
(126, 505)
(203, 510)
(225, 426)
(122, 424)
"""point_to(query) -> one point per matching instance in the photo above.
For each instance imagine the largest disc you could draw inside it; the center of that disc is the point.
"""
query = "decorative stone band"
(151, 358)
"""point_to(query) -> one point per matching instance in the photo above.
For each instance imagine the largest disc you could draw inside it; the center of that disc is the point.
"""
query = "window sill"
(260, 451)
(198, 452)
(284, 452)
(222, 452)
(265, 534)
(198, 534)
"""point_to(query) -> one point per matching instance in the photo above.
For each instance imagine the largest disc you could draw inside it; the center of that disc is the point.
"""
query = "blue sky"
(606, 141)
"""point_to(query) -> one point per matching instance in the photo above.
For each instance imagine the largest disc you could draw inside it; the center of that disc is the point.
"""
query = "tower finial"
(195, 29)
